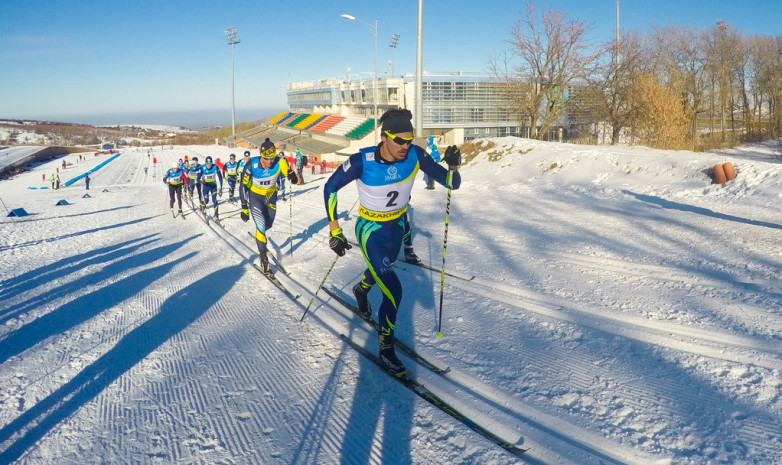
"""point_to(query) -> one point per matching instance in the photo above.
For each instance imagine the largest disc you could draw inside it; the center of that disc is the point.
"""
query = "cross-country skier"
(230, 171)
(175, 178)
(245, 159)
(384, 176)
(434, 152)
(192, 177)
(208, 177)
(258, 194)
(281, 179)
(300, 166)
(407, 240)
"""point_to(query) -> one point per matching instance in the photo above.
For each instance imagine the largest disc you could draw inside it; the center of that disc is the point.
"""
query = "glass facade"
(472, 103)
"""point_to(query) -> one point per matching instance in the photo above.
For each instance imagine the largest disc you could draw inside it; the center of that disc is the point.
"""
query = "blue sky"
(166, 62)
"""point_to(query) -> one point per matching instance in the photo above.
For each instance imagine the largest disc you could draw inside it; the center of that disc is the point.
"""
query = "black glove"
(220, 194)
(338, 243)
(292, 177)
(245, 213)
(453, 157)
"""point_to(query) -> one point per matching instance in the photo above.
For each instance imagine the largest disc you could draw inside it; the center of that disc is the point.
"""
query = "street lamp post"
(232, 39)
(374, 79)
(419, 69)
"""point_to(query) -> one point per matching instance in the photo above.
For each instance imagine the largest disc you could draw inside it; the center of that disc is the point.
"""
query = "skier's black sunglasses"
(398, 139)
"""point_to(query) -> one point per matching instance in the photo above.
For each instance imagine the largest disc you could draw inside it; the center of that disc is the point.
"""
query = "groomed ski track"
(144, 340)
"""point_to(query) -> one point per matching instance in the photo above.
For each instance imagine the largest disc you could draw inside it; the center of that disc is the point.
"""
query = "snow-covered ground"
(11, 155)
(624, 311)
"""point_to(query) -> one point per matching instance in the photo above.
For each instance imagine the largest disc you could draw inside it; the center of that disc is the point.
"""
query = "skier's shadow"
(377, 405)
(174, 316)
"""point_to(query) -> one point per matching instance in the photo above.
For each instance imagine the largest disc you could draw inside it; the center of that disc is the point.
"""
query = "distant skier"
(433, 152)
(301, 161)
(245, 159)
(230, 172)
(384, 176)
(208, 177)
(87, 181)
(175, 178)
(58, 182)
(281, 179)
(52, 180)
(258, 194)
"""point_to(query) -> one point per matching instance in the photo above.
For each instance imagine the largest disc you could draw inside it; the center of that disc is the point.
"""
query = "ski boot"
(411, 257)
(203, 209)
(388, 357)
(265, 264)
(217, 216)
(362, 303)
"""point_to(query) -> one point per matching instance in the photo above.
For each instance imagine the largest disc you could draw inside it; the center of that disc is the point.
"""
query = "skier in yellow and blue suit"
(208, 178)
(258, 194)
(384, 176)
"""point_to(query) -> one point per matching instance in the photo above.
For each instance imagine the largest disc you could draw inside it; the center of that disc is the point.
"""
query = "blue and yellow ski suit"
(384, 191)
(259, 191)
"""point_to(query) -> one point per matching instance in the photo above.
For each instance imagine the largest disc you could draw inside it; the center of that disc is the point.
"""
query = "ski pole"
(290, 200)
(445, 247)
(334, 262)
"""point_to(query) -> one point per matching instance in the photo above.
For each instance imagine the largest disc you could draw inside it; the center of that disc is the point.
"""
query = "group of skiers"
(384, 176)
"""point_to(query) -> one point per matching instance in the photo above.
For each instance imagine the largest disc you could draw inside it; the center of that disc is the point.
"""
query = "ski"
(431, 268)
(217, 221)
(424, 393)
(279, 265)
(277, 283)
(277, 262)
(399, 344)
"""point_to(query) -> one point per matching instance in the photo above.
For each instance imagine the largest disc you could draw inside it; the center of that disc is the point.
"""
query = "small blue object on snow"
(62, 202)
(86, 196)
(31, 187)
(18, 212)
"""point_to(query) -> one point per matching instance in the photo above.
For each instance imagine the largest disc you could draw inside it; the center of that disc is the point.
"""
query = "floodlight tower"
(394, 41)
(232, 39)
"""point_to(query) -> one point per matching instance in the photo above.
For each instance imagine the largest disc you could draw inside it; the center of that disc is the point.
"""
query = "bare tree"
(551, 52)
(681, 61)
(722, 58)
(611, 83)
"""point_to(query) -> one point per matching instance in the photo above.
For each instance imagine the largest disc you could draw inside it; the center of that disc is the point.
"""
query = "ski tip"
(517, 451)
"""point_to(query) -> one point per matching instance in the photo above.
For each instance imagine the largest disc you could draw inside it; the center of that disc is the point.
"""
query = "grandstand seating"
(313, 133)
(326, 123)
(279, 117)
(362, 129)
(308, 121)
(345, 126)
(310, 125)
(287, 118)
(297, 119)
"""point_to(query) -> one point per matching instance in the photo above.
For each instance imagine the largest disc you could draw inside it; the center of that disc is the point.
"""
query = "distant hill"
(30, 132)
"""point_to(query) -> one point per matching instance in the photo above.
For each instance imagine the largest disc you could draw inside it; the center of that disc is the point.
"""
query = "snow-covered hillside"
(624, 310)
